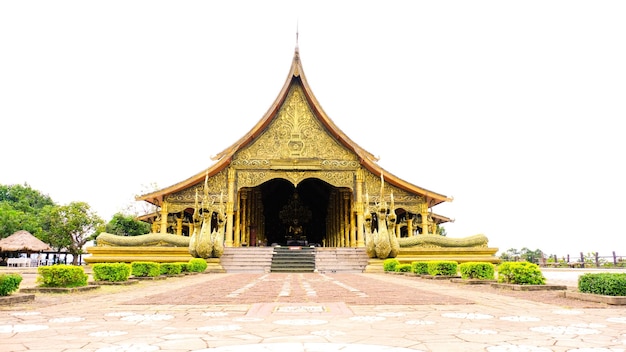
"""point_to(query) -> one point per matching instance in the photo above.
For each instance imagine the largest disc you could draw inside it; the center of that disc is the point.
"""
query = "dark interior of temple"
(294, 213)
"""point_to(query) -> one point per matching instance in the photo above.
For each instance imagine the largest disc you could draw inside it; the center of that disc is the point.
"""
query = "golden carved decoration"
(295, 134)
(216, 187)
(409, 202)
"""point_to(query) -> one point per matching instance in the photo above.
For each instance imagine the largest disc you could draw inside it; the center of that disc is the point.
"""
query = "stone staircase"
(344, 260)
(293, 260)
(247, 259)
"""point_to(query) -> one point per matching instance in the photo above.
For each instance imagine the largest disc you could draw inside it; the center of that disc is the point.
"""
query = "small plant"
(521, 273)
(114, 272)
(403, 268)
(184, 267)
(62, 275)
(145, 269)
(390, 264)
(443, 268)
(170, 269)
(197, 265)
(9, 283)
(477, 270)
(608, 284)
(420, 268)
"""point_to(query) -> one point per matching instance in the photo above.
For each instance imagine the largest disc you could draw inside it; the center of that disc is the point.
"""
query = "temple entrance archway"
(295, 215)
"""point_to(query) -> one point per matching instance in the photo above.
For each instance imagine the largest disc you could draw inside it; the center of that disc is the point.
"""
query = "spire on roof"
(297, 35)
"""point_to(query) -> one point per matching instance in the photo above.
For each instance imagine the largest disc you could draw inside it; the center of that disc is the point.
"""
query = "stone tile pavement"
(303, 312)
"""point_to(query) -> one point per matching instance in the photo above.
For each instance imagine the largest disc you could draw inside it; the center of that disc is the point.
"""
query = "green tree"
(20, 209)
(71, 226)
(441, 231)
(530, 255)
(126, 225)
(511, 255)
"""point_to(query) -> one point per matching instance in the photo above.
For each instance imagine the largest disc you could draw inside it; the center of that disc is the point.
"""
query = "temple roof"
(296, 76)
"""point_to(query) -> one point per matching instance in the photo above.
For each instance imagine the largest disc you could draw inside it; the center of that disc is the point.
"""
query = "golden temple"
(297, 179)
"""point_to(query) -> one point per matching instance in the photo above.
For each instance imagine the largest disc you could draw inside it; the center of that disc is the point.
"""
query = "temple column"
(260, 234)
(244, 217)
(359, 209)
(346, 218)
(229, 208)
(352, 229)
(237, 233)
(164, 217)
(409, 225)
(179, 224)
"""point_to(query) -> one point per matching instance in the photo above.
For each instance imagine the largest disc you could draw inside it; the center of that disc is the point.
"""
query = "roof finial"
(297, 34)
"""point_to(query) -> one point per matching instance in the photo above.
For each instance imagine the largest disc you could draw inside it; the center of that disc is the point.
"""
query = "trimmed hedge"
(443, 268)
(184, 267)
(9, 283)
(403, 268)
(477, 270)
(61, 275)
(197, 265)
(145, 269)
(607, 284)
(390, 264)
(170, 269)
(420, 268)
(521, 273)
(113, 272)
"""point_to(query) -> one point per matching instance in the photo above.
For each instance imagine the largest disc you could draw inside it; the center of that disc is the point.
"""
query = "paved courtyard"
(306, 312)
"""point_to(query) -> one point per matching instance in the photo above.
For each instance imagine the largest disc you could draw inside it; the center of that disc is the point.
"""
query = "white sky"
(511, 107)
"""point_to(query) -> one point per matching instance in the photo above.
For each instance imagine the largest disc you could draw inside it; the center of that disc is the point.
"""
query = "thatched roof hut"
(23, 241)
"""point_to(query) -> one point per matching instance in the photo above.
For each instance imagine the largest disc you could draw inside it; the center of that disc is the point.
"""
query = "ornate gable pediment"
(295, 140)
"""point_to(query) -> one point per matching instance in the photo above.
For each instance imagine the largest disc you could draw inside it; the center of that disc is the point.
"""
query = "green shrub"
(9, 283)
(443, 268)
(62, 275)
(608, 284)
(477, 270)
(114, 272)
(170, 269)
(390, 264)
(197, 265)
(403, 268)
(145, 269)
(184, 267)
(521, 273)
(420, 268)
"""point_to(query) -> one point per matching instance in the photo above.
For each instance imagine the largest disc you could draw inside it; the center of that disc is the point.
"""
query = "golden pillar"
(359, 209)
(179, 224)
(244, 217)
(346, 218)
(260, 232)
(237, 233)
(230, 205)
(164, 217)
(352, 229)
(409, 225)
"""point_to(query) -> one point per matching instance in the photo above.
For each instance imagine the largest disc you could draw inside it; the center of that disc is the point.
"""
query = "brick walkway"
(300, 288)
(305, 313)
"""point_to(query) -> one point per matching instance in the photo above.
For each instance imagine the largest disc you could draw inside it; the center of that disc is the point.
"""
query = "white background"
(514, 108)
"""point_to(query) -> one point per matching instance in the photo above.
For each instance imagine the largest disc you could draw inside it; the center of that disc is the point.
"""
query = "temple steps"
(247, 259)
(340, 259)
(293, 260)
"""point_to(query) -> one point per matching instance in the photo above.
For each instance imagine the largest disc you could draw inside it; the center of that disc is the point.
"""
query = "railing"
(590, 260)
